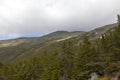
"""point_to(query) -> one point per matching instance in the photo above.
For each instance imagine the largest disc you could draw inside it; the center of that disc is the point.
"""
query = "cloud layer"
(24, 17)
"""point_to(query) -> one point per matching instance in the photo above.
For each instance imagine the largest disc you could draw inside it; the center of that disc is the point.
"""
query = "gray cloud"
(25, 17)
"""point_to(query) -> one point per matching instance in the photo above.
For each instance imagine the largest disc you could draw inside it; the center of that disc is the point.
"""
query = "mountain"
(17, 49)
(70, 56)
(14, 48)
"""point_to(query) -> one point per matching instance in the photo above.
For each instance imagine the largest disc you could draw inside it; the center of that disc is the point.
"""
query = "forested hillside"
(17, 49)
(71, 61)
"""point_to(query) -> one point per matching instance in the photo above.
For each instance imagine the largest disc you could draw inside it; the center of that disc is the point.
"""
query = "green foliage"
(1, 64)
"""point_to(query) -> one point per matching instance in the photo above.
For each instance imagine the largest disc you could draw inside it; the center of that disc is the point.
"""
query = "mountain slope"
(17, 49)
(22, 47)
(64, 60)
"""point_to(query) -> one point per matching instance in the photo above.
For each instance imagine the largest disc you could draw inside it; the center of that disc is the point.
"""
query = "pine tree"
(118, 20)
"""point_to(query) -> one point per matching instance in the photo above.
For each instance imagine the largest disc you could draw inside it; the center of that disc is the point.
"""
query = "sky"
(32, 18)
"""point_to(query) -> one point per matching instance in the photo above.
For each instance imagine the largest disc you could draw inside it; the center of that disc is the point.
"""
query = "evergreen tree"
(118, 20)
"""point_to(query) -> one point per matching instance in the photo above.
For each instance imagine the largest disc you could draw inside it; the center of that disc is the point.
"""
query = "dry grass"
(104, 78)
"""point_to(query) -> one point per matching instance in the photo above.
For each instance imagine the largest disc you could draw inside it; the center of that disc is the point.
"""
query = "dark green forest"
(70, 61)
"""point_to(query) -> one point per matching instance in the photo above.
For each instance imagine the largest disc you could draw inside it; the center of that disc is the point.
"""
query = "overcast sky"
(38, 17)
